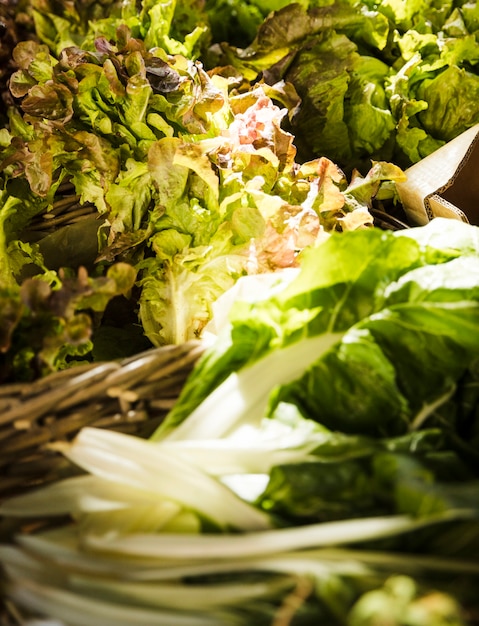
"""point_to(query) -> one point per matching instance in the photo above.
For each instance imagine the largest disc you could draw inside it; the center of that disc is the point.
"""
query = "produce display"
(137, 187)
(263, 115)
(390, 80)
(321, 463)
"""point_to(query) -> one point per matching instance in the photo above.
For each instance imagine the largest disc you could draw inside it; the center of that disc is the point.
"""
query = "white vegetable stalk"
(250, 449)
(171, 595)
(255, 543)
(147, 473)
(77, 610)
(243, 397)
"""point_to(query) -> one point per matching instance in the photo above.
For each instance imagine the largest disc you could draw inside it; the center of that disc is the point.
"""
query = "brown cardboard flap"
(463, 190)
(445, 183)
(437, 206)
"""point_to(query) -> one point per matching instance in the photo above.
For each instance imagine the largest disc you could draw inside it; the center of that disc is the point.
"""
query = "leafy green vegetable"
(391, 342)
(321, 463)
(168, 168)
(49, 326)
(386, 81)
(327, 441)
(178, 28)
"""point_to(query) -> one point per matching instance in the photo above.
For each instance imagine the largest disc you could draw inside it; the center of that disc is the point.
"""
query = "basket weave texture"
(132, 396)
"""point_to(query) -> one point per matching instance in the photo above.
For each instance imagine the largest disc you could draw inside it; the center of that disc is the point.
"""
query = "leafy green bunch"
(392, 80)
(177, 27)
(320, 466)
(187, 177)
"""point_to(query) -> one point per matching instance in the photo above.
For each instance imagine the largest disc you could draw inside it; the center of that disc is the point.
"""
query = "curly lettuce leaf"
(176, 27)
(49, 326)
(420, 15)
(175, 171)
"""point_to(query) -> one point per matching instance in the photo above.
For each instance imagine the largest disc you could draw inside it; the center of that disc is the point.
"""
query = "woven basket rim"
(132, 395)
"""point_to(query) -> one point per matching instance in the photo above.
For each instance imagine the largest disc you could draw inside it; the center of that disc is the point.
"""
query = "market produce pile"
(151, 154)
(321, 463)
(390, 80)
(137, 187)
(320, 466)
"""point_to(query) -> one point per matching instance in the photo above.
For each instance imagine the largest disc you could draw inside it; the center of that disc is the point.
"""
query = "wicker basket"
(132, 396)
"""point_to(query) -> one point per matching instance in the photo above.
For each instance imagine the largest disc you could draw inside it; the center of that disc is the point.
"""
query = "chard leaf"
(446, 238)
(154, 471)
(383, 323)
(79, 611)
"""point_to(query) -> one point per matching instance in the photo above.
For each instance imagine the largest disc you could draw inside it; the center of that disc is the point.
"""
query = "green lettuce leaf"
(401, 296)
(126, 150)
(178, 28)
(390, 81)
